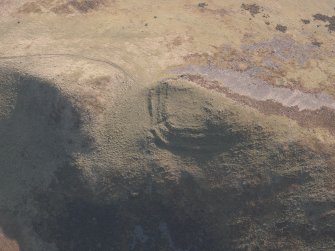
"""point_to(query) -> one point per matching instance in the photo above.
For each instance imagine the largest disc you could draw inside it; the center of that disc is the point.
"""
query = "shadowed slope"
(40, 131)
(208, 175)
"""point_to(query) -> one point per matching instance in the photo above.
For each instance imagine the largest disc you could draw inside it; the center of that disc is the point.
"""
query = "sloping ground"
(43, 132)
(247, 194)
(39, 132)
(218, 176)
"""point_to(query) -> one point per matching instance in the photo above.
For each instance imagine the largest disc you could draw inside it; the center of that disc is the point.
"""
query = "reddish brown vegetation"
(62, 7)
(324, 117)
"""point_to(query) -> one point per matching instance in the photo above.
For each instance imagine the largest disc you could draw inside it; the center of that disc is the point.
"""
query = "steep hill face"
(240, 184)
(40, 130)
(204, 172)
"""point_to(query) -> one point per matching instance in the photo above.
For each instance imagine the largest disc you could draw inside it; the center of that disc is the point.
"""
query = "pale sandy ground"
(118, 33)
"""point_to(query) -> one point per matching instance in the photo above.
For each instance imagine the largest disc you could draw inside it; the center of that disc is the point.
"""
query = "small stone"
(281, 28)
(202, 5)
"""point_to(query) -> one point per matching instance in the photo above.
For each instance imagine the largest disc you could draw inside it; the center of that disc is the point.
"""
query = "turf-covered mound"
(182, 125)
